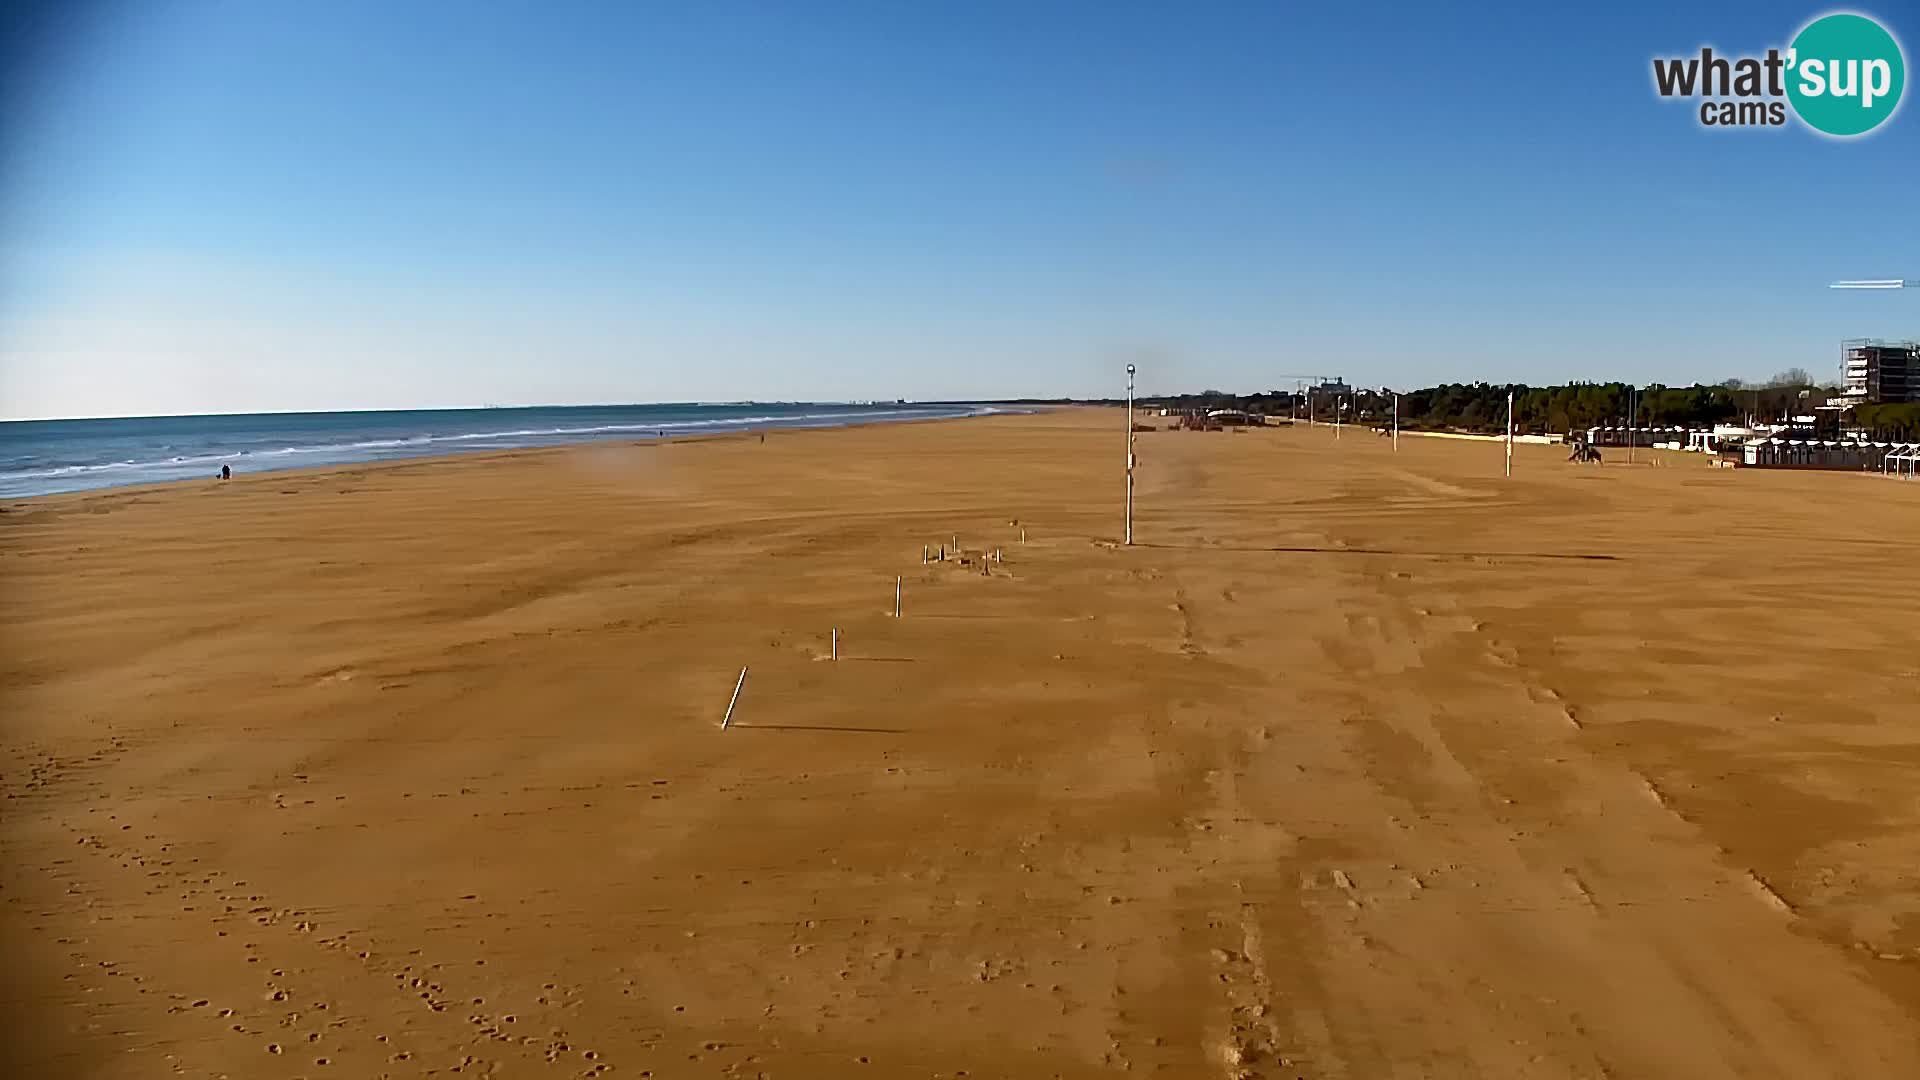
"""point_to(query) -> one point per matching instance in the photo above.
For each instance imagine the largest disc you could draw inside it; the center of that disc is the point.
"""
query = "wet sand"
(1357, 765)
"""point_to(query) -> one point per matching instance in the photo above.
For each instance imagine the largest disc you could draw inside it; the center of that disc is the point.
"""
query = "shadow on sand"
(819, 727)
(1390, 551)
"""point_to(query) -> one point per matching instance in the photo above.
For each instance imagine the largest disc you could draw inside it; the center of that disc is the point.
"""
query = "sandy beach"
(1357, 765)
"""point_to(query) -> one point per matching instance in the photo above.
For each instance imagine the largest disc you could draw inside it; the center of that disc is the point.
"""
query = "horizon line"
(487, 408)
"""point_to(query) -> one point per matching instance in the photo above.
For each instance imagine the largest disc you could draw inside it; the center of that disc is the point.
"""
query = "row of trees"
(1482, 407)
(1901, 422)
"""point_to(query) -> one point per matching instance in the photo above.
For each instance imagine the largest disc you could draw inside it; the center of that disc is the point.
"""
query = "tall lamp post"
(1633, 416)
(1129, 455)
(1509, 432)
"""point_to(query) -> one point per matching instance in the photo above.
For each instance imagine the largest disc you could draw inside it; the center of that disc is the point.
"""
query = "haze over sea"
(42, 457)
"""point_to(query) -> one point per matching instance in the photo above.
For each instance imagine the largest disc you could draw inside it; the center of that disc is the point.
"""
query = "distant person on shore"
(226, 472)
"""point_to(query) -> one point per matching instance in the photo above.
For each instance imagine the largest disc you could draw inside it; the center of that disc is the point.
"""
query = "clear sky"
(256, 204)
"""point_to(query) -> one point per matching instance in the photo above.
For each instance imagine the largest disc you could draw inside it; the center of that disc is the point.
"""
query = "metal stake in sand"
(896, 597)
(1509, 433)
(727, 719)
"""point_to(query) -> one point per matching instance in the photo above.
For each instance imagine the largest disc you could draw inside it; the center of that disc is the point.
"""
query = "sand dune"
(1358, 765)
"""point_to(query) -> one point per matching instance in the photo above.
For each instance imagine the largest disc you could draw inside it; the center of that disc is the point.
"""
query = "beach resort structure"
(1769, 447)
(1797, 452)
(1665, 438)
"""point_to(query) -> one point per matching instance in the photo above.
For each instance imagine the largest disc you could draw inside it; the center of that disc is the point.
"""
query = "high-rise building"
(1881, 372)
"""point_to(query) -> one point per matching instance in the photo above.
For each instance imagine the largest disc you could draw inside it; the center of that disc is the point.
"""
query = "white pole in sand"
(835, 654)
(1509, 433)
(727, 719)
(896, 597)
(1396, 423)
(1633, 412)
(1129, 454)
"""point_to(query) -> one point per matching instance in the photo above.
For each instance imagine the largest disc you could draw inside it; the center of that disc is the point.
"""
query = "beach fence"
(995, 555)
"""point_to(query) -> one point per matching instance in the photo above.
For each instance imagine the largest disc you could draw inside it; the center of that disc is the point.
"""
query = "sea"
(43, 457)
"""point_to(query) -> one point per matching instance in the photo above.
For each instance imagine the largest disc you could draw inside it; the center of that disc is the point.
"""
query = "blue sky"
(227, 206)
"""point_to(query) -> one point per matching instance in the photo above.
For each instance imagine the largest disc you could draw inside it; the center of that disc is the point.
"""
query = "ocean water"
(40, 457)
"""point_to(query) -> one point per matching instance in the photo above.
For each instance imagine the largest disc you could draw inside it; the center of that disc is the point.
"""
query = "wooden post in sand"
(896, 597)
(834, 654)
(727, 719)
(923, 554)
(1023, 536)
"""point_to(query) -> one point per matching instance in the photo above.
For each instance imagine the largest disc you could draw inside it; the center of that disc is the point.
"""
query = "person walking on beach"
(226, 472)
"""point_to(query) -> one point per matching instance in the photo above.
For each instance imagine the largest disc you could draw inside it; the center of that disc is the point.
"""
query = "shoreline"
(22, 502)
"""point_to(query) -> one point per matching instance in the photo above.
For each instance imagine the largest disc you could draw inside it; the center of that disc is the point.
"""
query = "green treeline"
(1482, 407)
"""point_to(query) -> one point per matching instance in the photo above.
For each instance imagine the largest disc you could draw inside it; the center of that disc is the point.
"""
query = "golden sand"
(1358, 765)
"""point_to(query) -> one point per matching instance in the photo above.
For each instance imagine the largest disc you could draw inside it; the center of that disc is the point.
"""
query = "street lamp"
(1633, 414)
(1129, 455)
(1509, 432)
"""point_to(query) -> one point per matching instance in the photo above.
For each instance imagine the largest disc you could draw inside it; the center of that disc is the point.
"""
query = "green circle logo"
(1845, 74)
